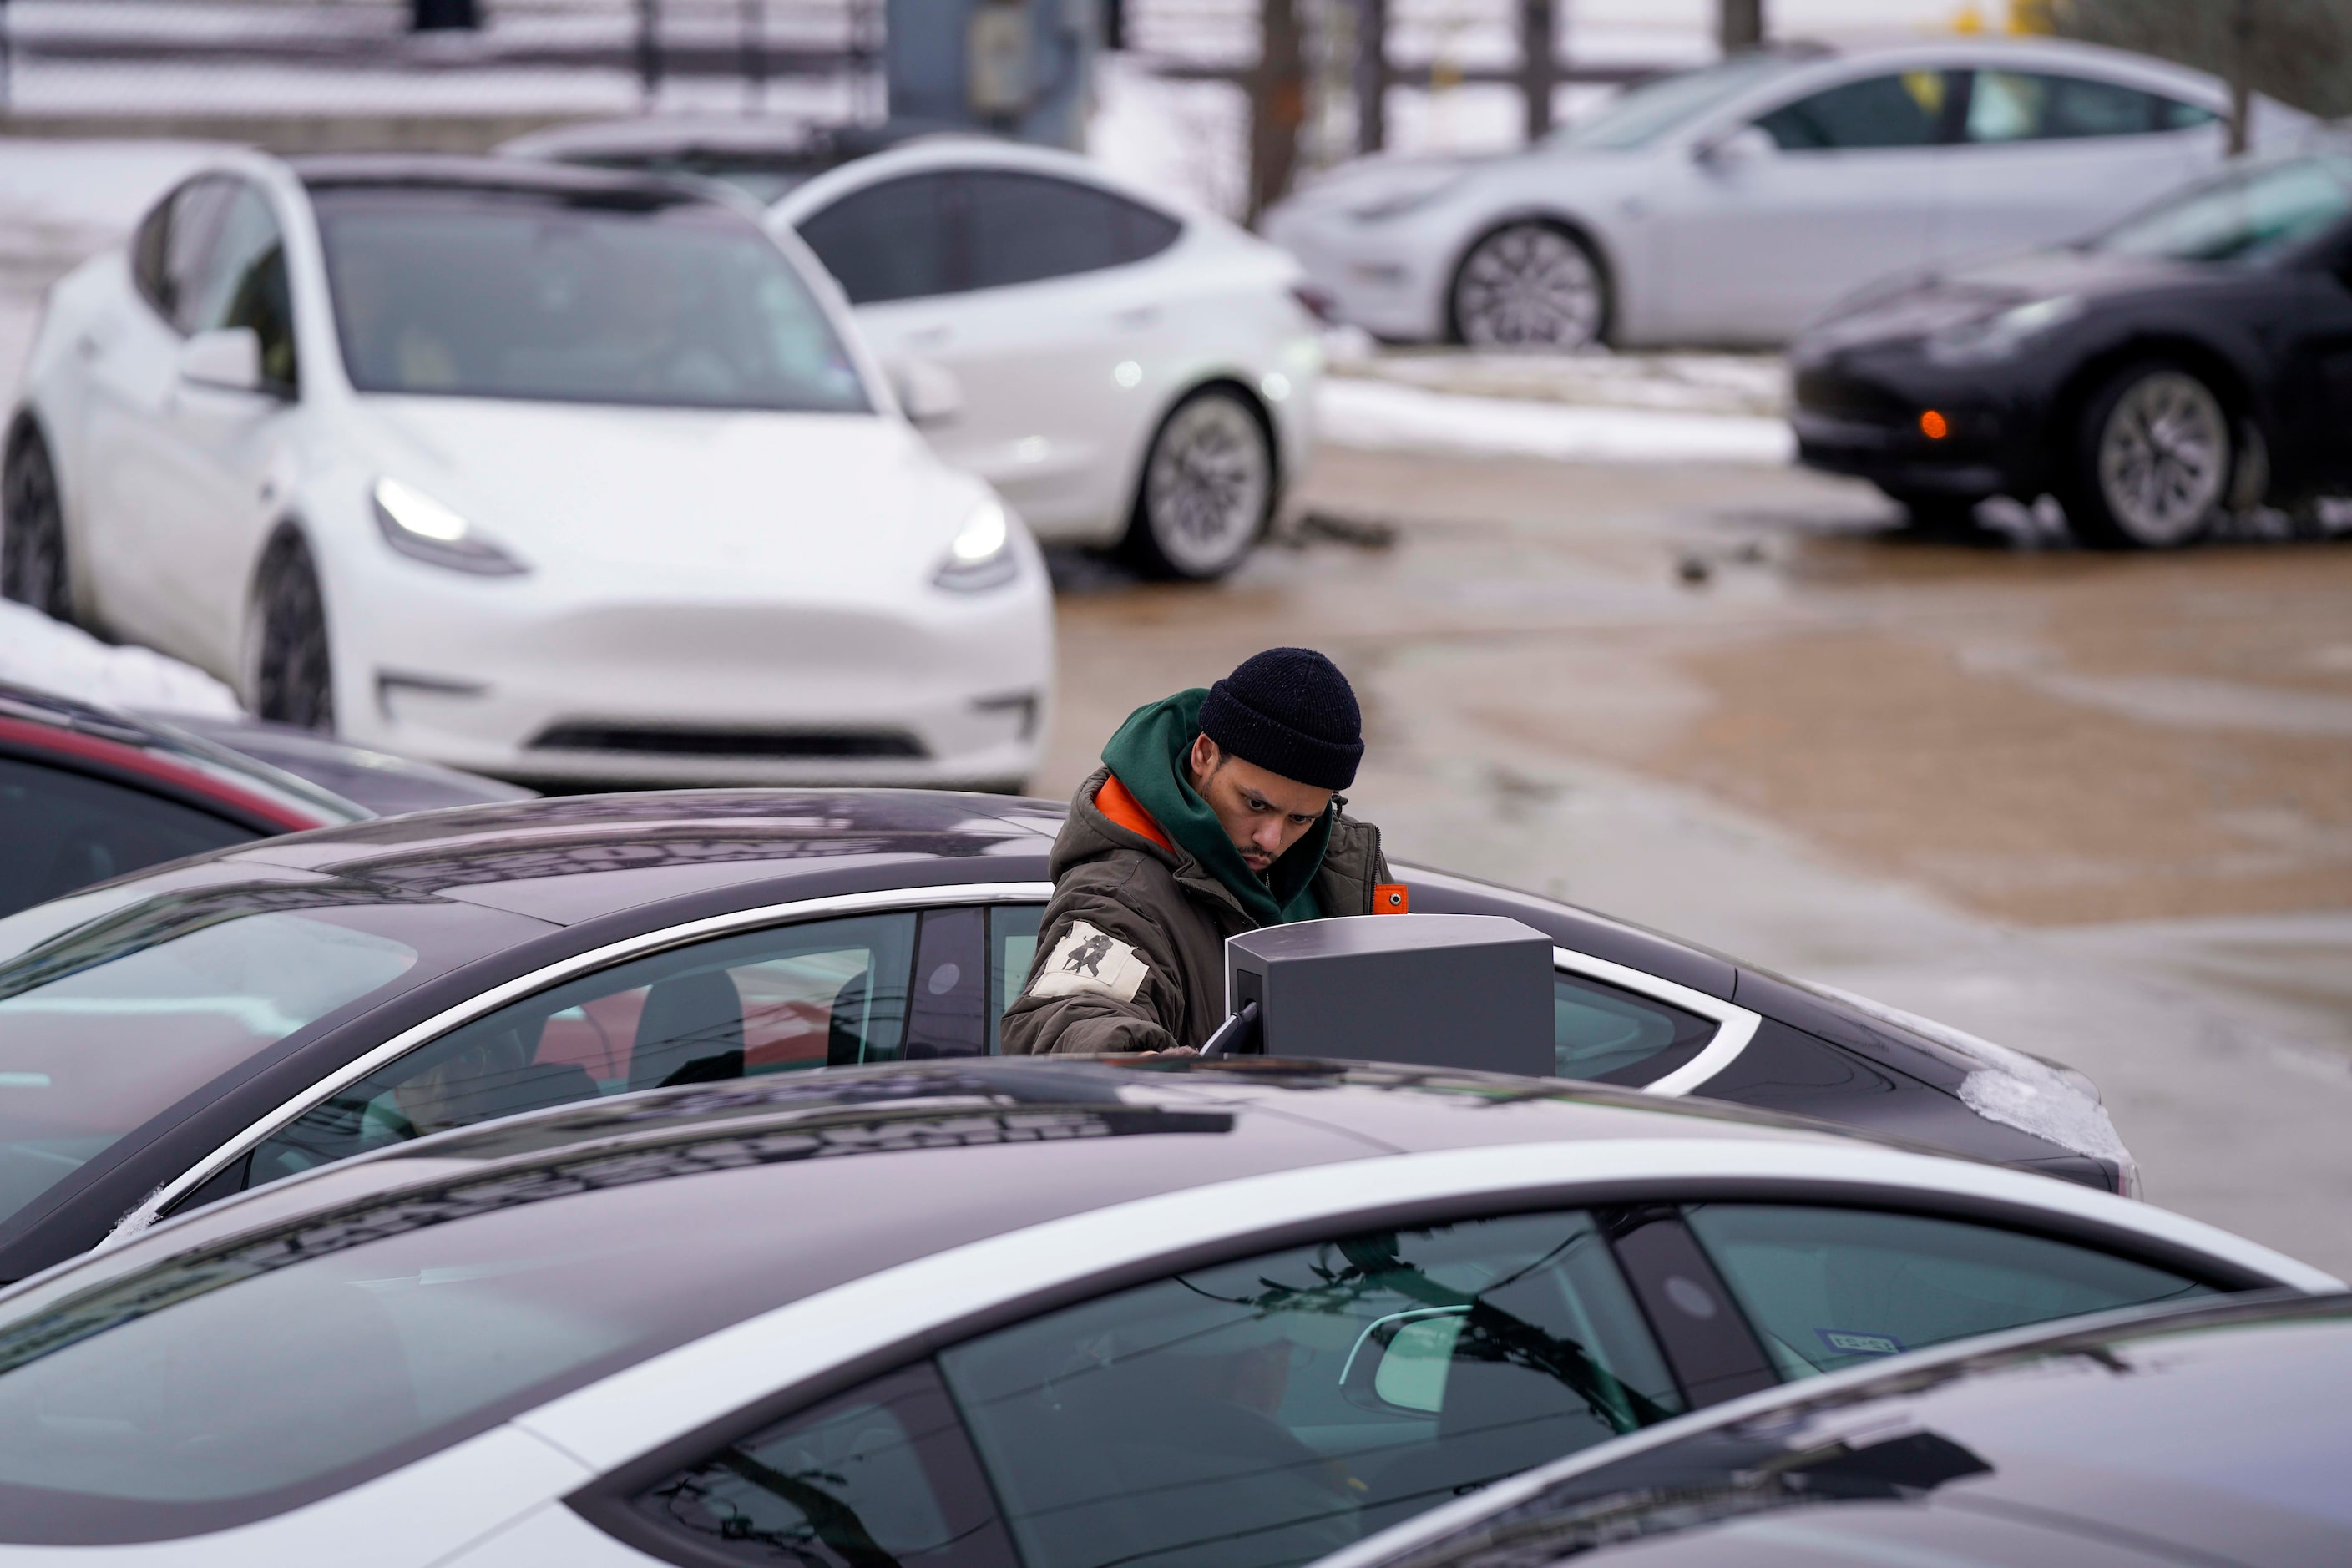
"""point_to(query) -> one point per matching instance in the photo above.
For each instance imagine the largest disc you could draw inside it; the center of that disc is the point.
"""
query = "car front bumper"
(1867, 414)
(693, 687)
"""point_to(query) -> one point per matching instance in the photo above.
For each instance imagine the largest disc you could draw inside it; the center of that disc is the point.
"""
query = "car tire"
(33, 570)
(293, 675)
(2154, 456)
(1529, 286)
(1207, 490)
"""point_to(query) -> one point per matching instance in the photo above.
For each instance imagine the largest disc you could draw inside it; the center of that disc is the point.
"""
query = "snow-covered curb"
(1352, 412)
(49, 655)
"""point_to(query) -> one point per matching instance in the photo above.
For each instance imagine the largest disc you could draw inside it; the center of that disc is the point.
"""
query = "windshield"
(554, 299)
(1642, 114)
(119, 1013)
(2240, 217)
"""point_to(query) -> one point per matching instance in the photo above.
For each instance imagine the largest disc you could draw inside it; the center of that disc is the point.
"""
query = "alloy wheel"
(2163, 458)
(1207, 486)
(32, 533)
(1529, 287)
(294, 678)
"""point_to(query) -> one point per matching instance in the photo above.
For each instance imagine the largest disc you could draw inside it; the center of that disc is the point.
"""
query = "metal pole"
(753, 14)
(649, 61)
(7, 62)
(1739, 25)
(1371, 75)
(2241, 69)
(1538, 65)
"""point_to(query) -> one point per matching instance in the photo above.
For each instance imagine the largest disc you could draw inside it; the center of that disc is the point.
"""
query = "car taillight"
(1316, 303)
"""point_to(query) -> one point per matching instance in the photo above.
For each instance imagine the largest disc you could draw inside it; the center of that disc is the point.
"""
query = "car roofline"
(945, 151)
(1849, 1383)
(805, 1348)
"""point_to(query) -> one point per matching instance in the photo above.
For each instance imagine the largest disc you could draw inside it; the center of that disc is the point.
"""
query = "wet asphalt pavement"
(2094, 806)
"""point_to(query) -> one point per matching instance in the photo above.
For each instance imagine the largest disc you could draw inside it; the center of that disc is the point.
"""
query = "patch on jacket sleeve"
(1088, 959)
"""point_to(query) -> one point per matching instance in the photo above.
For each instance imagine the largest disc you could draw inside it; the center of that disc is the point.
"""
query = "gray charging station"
(1442, 990)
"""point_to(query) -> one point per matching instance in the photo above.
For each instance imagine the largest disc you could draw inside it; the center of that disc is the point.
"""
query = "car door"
(1271, 1408)
(222, 453)
(2047, 158)
(888, 985)
(2310, 322)
(1757, 240)
(133, 369)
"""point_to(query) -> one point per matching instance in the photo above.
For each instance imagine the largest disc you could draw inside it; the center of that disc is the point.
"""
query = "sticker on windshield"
(1846, 1341)
(1088, 959)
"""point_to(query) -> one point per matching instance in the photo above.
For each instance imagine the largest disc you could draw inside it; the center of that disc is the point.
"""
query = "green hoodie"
(1147, 755)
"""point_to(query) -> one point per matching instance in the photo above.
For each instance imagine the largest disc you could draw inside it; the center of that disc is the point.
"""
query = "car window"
(242, 283)
(544, 296)
(1023, 228)
(149, 249)
(2028, 106)
(1603, 1033)
(888, 241)
(115, 1018)
(798, 996)
(2242, 217)
(881, 1475)
(1904, 110)
(1271, 1410)
(1011, 948)
(186, 240)
(1827, 1288)
(62, 830)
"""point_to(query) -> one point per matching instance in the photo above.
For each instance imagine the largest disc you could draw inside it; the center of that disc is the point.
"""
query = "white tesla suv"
(1730, 205)
(548, 473)
(1133, 372)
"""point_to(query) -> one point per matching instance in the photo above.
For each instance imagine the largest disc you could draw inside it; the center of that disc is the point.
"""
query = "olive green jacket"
(1132, 955)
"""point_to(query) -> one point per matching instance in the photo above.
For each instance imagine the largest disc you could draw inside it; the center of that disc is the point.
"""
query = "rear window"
(233, 1381)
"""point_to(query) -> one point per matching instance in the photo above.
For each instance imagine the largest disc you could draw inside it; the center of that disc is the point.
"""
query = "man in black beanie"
(1214, 812)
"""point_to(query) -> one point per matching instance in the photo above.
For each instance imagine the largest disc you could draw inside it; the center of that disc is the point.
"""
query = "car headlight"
(980, 554)
(1999, 336)
(416, 525)
(1403, 198)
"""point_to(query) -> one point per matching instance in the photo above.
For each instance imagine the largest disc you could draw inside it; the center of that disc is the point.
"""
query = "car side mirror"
(1748, 145)
(226, 360)
(1399, 1363)
(928, 393)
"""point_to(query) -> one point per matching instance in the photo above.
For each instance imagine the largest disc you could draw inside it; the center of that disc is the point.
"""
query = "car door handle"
(929, 337)
(1140, 316)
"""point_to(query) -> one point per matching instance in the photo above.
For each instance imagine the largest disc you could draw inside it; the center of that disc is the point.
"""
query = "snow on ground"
(1353, 411)
(1684, 383)
(37, 651)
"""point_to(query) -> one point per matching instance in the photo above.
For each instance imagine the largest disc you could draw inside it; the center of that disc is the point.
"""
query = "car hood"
(1916, 304)
(825, 501)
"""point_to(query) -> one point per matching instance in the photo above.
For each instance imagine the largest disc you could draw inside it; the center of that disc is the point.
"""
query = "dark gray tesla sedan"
(2206, 1433)
(214, 1024)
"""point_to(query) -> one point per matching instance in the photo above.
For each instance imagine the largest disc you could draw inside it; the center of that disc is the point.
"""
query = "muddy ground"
(2094, 806)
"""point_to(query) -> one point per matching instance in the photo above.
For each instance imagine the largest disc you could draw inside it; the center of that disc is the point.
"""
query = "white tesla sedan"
(543, 472)
(998, 1313)
(1133, 372)
(1732, 204)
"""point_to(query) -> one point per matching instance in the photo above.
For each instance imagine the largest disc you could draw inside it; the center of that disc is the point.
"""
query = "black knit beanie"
(1290, 711)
